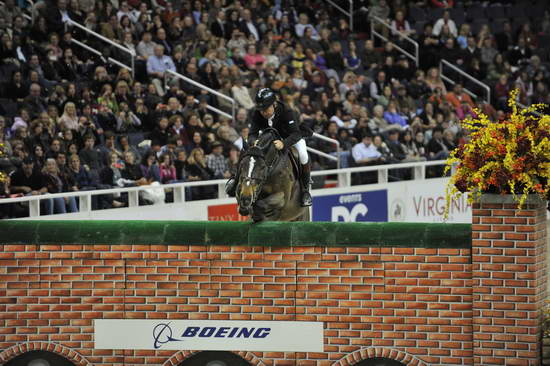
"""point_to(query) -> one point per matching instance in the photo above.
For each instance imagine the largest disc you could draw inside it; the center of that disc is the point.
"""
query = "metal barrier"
(348, 13)
(208, 89)
(98, 53)
(112, 43)
(325, 155)
(466, 75)
(344, 180)
(374, 32)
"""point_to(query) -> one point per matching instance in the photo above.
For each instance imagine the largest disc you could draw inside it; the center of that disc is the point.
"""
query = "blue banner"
(352, 207)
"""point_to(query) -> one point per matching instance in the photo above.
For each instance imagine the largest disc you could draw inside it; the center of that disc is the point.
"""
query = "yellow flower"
(509, 156)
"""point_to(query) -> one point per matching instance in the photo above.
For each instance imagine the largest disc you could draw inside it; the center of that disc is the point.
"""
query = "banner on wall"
(208, 335)
(425, 202)
(352, 207)
(227, 212)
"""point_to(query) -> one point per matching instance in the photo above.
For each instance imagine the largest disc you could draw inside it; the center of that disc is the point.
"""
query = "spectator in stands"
(433, 80)
(167, 169)
(157, 65)
(149, 167)
(56, 182)
(69, 118)
(458, 96)
(90, 156)
(217, 163)
(197, 170)
(365, 153)
(146, 48)
(400, 26)
(436, 149)
(445, 21)
(241, 94)
(31, 182)
(382, 11)
(34, 103)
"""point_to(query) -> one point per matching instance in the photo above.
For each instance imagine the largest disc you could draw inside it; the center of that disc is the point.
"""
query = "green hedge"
(282, 234)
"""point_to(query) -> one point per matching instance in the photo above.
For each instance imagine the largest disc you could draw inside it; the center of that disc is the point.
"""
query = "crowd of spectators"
(71, 120)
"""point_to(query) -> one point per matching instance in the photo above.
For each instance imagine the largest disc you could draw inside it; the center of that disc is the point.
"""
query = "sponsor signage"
(426, 202)
(352, 207)
(208, 335)
(228, 212)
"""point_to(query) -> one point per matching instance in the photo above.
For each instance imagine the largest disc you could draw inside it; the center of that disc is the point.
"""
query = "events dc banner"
(352, 207)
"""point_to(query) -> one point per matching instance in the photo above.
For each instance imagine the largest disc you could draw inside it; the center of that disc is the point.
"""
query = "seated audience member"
(57, 183)
(197, 170)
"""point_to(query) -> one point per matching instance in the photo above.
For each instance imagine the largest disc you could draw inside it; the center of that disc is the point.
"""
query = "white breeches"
(302, 151)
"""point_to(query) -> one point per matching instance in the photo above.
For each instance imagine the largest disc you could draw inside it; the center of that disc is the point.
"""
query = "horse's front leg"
(269, 208)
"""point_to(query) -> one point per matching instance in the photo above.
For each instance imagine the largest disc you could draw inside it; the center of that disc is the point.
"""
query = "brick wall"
(408, 297)
(509, 280)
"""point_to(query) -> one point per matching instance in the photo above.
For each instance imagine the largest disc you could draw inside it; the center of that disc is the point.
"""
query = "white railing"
(131, 53)
(344, 180)
(374, 32)
(98, 53)
(466, 75)
(323, 154)
(171, 74)
(348, 13)
(23, 14)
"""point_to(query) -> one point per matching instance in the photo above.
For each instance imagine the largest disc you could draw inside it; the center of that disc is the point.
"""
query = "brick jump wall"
(399, 291)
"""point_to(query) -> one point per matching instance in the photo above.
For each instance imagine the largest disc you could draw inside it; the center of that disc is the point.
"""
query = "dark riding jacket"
(284, 121)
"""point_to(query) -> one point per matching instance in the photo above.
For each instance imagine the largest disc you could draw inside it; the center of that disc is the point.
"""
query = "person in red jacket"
(443, 3)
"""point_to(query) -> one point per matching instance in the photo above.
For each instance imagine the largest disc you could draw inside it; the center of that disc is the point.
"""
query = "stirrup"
(231, 187)
(306, 199)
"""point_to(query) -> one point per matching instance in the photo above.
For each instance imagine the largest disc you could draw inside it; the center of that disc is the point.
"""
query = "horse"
(268, 187)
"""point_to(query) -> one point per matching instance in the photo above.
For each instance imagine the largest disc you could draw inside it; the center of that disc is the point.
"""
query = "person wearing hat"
(270, 112)
(217, 162)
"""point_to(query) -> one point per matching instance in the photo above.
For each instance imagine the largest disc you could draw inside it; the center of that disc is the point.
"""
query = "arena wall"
(420, 294)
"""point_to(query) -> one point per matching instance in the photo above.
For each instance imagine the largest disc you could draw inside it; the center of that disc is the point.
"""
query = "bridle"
(258, 152)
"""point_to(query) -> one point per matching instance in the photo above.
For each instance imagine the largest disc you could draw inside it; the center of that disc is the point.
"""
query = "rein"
(259, 152)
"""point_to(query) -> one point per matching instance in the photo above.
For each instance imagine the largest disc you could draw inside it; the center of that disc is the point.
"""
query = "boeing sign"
(276, 336)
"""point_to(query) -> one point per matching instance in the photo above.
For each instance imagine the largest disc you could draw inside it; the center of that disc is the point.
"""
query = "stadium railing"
(112, 43)
(348, 13)
(171, 74)
(374, 33)
(456, 69)
(344, 181)
(99, 54)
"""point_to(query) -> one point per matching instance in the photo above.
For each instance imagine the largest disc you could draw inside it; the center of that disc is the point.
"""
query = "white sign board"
(424, 201)
(208, 335)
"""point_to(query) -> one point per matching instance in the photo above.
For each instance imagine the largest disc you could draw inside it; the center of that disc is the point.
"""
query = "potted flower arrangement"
(510, 156)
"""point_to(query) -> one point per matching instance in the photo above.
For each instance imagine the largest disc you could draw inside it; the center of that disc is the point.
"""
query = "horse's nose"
(245, 201)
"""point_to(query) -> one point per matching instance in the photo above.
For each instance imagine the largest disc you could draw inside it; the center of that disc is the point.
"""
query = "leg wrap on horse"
(306, 176)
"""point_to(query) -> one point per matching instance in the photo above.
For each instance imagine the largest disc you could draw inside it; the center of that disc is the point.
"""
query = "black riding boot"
(306, 176)
(231, 185)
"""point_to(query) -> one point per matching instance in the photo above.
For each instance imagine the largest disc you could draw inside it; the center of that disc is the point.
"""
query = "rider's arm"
(254, 130)
(294, 133)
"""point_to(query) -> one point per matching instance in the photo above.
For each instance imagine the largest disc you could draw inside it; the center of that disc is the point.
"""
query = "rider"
(270, 112)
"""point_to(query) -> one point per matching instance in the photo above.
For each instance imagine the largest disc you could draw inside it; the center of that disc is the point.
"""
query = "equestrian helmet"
(265, 98)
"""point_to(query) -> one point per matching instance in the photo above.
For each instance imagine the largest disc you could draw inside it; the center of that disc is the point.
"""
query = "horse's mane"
(265, 139)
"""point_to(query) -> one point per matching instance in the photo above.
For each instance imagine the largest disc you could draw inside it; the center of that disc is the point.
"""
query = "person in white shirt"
(146, 48)
(125, 10)
(300, 28)
(241, 95)
(365, 152)
(446, 20)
